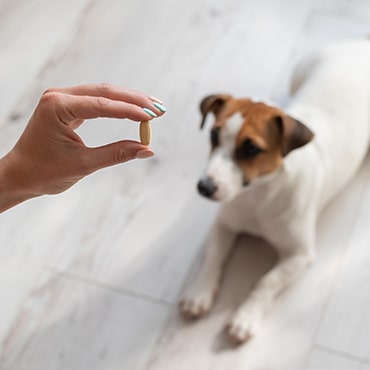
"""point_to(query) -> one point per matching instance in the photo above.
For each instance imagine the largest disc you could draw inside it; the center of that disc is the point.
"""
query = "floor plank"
(353, 334)
(322, 360)
(68, 324)
(33, 34)
(355, 10)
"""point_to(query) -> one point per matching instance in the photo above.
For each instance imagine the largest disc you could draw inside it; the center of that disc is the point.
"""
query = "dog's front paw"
(193, 306)
(243, 326)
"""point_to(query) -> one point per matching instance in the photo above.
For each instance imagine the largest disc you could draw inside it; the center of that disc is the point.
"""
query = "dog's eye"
(247, 150)
(215, 136)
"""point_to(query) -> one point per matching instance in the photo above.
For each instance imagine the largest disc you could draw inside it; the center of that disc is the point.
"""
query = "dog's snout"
(207, 187)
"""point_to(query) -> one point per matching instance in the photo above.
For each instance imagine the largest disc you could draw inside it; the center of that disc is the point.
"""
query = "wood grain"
(82, 286)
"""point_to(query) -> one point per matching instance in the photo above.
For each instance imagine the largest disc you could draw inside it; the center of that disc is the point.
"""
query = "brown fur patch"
(261, 127)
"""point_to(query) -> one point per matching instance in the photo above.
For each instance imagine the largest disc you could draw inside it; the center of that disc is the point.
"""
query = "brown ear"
(294, 133)
(212, 103)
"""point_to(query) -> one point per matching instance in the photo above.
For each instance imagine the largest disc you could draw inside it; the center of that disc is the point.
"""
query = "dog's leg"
(246, 320)
(201, 291)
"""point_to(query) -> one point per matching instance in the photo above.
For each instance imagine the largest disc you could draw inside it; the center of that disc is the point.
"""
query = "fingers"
(115, 153)
(114, 93)
(87, 107)
(108, 91)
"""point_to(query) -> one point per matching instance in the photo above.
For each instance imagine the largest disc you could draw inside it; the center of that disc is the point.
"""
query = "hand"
(50, 157)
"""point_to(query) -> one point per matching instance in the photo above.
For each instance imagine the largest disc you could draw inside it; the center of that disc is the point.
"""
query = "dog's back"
(331, 96)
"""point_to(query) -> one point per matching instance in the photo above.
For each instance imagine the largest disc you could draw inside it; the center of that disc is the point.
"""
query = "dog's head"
(248, 140)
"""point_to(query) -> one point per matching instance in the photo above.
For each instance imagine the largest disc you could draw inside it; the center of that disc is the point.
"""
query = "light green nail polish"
(160, 107)
(150, 112)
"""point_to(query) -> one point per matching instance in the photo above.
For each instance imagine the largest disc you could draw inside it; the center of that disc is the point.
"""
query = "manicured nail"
(160, 107)
(156, 100)
(150, 112)
(145, 153)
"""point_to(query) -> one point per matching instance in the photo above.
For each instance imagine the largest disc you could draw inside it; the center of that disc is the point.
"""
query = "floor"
(90, 279)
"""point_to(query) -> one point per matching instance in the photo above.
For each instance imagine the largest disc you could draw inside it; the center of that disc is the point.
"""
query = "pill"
(145, 132)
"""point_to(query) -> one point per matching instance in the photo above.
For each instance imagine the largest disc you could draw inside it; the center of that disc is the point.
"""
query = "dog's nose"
(207, 187)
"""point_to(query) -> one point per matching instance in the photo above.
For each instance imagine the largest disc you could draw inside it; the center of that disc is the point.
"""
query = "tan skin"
(50, 157)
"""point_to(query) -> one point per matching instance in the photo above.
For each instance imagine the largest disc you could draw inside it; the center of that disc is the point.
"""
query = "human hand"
(50, 157)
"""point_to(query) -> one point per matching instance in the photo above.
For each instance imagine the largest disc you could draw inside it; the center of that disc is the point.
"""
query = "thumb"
(119, 152)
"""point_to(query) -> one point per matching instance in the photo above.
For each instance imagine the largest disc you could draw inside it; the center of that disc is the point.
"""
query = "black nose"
(207, 187)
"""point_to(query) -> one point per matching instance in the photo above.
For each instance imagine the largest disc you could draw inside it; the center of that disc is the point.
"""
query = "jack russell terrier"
(275, 170)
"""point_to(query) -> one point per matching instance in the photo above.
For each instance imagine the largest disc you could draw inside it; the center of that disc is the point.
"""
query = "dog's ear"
(212, 103)
(294, 133)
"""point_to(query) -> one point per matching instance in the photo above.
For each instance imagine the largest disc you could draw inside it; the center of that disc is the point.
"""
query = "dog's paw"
(193, 306)
(243, 326)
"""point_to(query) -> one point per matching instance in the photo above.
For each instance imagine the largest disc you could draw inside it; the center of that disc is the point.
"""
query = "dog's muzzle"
(207, 187)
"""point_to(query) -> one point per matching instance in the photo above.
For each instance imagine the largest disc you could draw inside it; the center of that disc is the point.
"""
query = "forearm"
(12, 192)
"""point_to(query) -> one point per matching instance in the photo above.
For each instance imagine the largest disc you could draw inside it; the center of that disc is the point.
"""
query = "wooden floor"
(90, 279)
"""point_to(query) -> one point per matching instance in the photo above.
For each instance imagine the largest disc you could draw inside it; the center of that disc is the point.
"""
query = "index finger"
(70, 108)
(112, 92)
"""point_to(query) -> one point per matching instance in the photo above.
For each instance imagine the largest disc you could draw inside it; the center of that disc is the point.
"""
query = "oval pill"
(145, 132)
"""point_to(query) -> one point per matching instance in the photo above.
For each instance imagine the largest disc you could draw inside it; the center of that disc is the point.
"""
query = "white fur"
(221, 167)
(331, 96)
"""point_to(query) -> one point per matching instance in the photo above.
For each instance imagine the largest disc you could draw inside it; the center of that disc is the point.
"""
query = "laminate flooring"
(90, 279)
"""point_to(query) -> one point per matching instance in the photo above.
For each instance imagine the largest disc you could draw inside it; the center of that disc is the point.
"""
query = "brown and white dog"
(275, 170)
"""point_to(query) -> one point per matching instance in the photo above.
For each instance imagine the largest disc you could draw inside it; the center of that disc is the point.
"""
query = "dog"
(274, 170)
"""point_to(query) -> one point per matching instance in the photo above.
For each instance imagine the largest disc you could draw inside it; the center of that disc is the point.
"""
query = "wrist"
(12, 191)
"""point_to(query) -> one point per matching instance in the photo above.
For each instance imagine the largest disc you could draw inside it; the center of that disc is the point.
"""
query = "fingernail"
(160, 107)
(150, 112)
(156, 100)
(145, 153)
